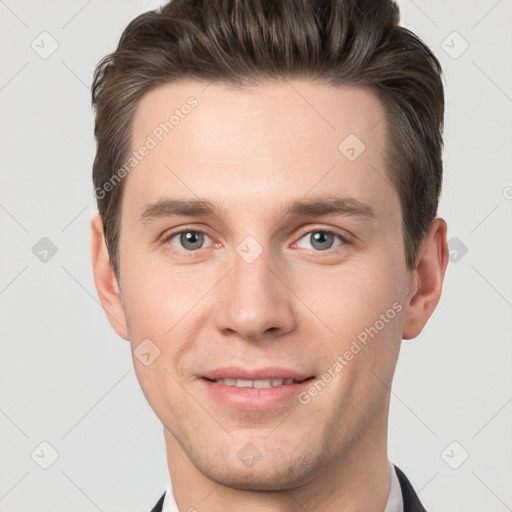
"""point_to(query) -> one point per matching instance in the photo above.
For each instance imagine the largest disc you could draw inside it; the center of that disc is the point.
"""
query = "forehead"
(285, 138)
(303, 114)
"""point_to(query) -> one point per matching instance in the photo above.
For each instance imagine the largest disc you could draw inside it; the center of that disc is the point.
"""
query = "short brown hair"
(244, 42)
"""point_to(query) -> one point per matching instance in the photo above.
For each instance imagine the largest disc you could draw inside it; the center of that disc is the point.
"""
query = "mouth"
(254, 390)
(257, 384)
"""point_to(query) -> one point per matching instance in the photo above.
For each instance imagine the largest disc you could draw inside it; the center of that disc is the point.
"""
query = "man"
(267, 176)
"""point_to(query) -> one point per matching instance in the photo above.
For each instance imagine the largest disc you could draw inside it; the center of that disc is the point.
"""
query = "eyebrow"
(314, 207)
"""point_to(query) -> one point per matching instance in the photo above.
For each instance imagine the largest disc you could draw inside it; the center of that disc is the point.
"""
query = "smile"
(257, 384)
(254, 390)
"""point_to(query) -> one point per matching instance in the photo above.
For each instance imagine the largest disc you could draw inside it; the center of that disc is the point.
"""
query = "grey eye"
(320, 240)
(189, 240)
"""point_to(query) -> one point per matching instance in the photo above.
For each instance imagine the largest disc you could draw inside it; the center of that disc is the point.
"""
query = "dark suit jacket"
(411, 501)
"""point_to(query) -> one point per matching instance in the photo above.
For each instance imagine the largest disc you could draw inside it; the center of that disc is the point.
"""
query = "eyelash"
(302, 235)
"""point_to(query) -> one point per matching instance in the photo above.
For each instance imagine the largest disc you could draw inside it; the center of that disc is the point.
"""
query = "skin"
(250, 152)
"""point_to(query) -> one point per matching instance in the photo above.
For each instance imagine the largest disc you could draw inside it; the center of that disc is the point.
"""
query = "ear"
(427, 279)
(105, 279)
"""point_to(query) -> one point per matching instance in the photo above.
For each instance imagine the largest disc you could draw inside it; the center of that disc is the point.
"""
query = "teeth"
(244, 383)
(261, 384)
(258, 384)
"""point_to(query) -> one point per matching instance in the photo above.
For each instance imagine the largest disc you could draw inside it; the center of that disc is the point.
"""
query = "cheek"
(352, 297)
(164, 305)
(157, 299)
(358, 315)
(156, 309)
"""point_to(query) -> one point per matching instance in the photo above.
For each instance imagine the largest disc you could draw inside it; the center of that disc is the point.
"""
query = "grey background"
(68, 380)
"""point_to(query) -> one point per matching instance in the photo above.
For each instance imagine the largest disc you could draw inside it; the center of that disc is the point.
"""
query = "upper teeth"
(259, 384)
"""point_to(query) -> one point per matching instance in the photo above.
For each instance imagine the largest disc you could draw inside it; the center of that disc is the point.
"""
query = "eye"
(321, 239)
(189, 239)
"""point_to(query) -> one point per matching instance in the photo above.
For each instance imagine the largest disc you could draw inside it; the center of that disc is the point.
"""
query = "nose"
(254, 301)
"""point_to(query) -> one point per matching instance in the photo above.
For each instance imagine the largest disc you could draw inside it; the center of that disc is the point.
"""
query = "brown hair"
(244, 42)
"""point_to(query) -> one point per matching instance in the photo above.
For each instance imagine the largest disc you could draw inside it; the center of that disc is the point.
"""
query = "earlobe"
(427, 280)
(105, 279)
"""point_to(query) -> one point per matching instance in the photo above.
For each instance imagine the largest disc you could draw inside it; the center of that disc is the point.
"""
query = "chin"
(282, 471)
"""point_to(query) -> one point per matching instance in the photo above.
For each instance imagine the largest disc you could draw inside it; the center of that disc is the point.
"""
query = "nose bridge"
(255, 300)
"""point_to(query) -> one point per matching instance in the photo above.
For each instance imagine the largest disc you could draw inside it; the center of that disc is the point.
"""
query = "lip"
(271, 372)
(254, 399)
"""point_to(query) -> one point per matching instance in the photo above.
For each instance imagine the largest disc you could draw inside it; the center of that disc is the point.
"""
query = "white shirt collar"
(394, 504)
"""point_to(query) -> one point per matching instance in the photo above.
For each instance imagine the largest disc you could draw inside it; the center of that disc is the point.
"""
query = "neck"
(358, 480)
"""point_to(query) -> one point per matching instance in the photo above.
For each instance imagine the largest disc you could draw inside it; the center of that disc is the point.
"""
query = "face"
(261, 254)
